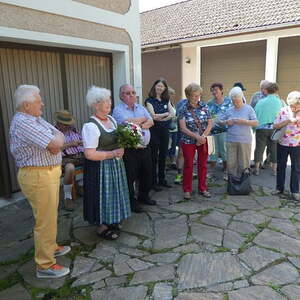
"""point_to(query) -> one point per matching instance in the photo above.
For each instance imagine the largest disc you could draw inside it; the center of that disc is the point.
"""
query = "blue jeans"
(172, 150)
(282, 155)
(220, 147)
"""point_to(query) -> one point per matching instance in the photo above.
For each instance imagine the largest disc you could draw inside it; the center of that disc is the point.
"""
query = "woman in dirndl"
(106, 198)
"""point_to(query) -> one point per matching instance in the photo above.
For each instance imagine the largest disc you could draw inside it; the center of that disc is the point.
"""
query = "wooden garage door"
(288, 70)
(83, 71)
(244, 62)
(39, 68)
(63, 77)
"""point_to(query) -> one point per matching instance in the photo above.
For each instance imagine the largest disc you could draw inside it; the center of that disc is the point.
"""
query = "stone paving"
(223, 248)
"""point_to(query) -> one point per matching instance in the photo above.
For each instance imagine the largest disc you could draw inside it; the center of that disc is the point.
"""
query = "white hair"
(293, 98)
(122, 88)
(263, 83)
(96, 94)
(236, 92)
(25, 93)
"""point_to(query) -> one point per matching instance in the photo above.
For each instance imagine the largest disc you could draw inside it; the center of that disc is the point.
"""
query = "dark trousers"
(159, 148)
(263, 140)
(138, 166)
(282, 155)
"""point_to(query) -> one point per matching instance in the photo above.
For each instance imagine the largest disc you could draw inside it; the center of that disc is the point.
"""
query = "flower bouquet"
(129, 135)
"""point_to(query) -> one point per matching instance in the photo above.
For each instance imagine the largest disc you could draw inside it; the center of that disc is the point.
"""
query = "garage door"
(288, 71)
(63, 78)
(243, 62)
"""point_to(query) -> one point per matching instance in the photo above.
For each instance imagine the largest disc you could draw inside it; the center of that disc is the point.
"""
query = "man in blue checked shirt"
(138, 162)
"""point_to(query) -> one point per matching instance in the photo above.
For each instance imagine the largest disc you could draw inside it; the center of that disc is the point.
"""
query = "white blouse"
(91, 133)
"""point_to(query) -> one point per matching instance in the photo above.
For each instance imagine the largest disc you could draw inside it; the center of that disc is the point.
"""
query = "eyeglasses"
(130, 93)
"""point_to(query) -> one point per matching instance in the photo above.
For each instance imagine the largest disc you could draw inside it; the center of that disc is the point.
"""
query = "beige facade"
(64, 47)
(28, 19)
(118, 6)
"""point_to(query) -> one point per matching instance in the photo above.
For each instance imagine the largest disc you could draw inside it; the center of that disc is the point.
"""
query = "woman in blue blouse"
(161, 110)
(195, 125)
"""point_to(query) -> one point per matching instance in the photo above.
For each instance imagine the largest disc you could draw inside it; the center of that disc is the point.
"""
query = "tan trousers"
(238, 158)
(40, 185)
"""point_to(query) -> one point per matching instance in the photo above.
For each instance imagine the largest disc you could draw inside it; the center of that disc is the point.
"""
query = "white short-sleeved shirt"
(91, 133)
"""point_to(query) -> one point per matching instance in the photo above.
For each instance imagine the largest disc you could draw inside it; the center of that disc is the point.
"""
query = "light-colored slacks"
(40, 185)
(238, 157)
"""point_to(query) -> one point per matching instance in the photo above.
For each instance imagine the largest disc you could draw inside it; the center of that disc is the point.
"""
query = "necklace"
(102, 119)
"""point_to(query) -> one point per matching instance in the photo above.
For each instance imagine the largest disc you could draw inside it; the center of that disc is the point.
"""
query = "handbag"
(239, 185)
(278, 134)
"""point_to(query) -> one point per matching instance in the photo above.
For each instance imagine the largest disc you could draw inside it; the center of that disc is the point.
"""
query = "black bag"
(239, 185)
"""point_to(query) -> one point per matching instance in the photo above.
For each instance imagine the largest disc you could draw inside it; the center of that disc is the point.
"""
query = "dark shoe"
(69, 204)
(205, 194)
(108, 234)
(165, 184)
(148, 202)
(276, 193)
(156, 188)
(115, 227)
(136, 209)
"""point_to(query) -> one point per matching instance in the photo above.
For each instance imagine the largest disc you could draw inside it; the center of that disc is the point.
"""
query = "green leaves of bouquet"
(129, 135)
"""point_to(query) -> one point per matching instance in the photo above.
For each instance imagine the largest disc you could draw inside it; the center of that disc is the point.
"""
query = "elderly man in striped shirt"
(36, 146)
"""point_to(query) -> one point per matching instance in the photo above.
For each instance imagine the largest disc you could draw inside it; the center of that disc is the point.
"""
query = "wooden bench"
(78, 171)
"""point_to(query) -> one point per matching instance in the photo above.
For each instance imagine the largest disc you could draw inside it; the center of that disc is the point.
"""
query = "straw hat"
(64, 117)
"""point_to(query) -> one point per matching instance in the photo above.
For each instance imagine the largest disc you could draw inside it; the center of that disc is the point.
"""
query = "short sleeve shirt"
(29, 138)
(239, 132)
(291, 137)
(122, 113)
(196, 120)
(216, 110)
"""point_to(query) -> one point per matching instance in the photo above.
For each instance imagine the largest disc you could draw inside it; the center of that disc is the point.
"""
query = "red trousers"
(188, 154)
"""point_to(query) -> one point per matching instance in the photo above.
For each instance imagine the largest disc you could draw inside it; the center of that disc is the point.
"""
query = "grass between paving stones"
(174, 291)
(224, 197)
(226, 297)
(275, 287)
(21, 260)
(81, 250)
(150, 286)
(293, 220)
(10, 280)
(259, 192)
(251, 236)
(222, 249)
(63, 293)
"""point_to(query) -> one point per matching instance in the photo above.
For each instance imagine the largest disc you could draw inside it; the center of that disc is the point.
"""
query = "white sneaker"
(55, 271)
(296, 196)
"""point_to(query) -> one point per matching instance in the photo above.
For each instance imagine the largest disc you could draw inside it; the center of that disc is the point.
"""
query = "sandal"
(205, 194)
(108, 234)
(115, 227)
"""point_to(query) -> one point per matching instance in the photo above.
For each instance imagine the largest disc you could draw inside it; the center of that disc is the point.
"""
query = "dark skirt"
(106, 197)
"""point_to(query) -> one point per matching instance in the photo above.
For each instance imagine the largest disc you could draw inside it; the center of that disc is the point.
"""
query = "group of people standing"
(116, 180)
